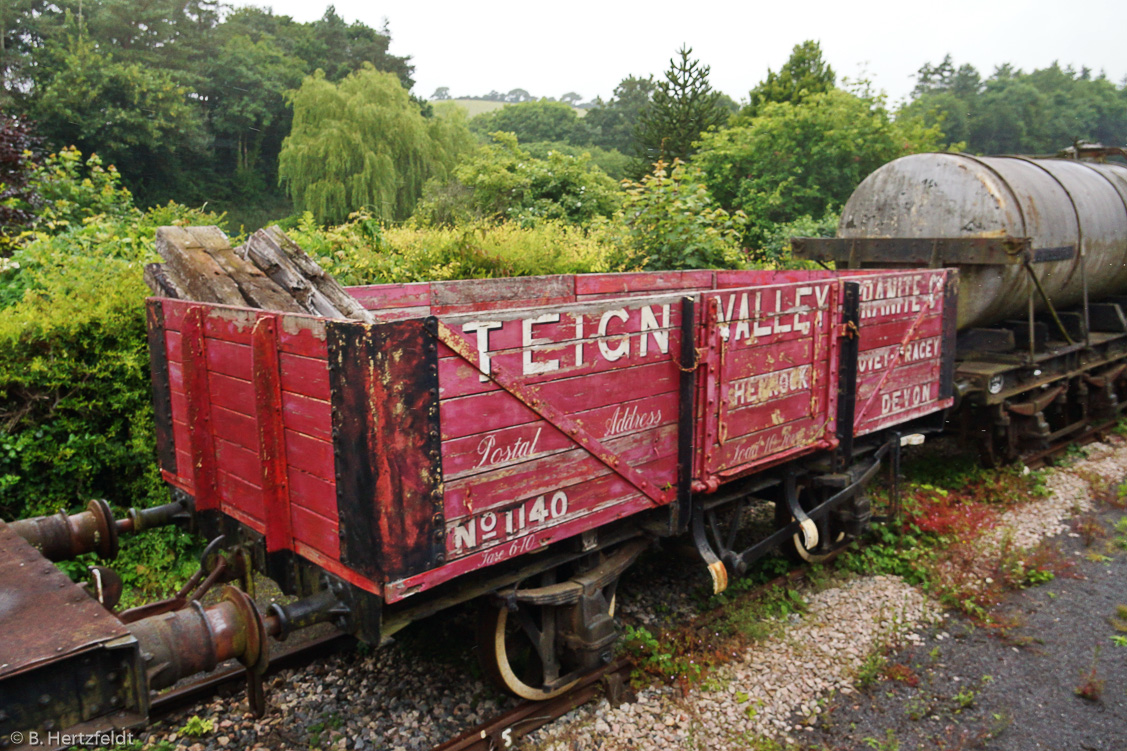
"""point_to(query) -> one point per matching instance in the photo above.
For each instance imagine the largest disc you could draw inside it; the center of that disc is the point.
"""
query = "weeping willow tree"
(363, 143)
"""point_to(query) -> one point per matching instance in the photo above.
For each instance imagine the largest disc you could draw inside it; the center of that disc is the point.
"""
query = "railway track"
(499, 732)
(1045, 457)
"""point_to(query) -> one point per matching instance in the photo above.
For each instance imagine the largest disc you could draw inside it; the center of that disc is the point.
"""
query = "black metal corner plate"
(162, 386)
(383, 381)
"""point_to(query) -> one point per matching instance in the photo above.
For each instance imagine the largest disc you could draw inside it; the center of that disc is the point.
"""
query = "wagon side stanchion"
(847, 373)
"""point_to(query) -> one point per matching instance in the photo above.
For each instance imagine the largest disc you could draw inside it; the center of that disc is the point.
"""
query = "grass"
(946, 505)
(687, 656)
(1091, 686)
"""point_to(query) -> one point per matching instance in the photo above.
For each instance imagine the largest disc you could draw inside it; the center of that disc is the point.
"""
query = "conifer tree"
(804, 74)
(683, 106)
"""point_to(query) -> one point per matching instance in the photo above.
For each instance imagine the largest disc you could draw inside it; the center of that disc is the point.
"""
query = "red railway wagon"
(527, 437)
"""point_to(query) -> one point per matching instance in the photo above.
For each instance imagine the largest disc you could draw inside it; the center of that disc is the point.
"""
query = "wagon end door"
(906, 348)
(768, 386)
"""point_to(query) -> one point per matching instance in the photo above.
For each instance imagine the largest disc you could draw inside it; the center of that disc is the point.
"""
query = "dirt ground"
(1053, 676)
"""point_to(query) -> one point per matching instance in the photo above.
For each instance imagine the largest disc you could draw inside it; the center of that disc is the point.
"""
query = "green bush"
(75, 402)
(669, 221)
(364, 252)
(776, 248)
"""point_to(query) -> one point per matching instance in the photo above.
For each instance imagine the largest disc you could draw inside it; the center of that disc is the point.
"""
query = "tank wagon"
(520, 440)
(1041, 250)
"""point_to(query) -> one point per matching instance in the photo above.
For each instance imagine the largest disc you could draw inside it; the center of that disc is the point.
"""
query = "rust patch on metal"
(44, 616)
(387, 446)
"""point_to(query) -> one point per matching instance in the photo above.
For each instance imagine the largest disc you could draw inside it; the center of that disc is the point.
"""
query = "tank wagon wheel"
(538, 650)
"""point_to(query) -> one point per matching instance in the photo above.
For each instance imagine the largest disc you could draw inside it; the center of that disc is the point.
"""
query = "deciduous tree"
(1012, 111)
(805, 158)
(133, 116)
(611, 125)
(363, 143)
(533, 121)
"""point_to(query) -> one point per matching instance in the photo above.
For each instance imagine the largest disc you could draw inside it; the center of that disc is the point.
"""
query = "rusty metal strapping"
(698, 357)
(529, 395)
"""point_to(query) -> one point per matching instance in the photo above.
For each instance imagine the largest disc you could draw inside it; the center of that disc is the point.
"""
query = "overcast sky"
(588, 46)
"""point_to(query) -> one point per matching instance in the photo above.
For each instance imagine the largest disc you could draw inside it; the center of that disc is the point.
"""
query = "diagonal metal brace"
(569, 426)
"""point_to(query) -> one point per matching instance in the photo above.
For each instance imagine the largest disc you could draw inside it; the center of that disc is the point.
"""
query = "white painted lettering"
(660, 334)
(482, 328)
(613, 353)
(527, 342)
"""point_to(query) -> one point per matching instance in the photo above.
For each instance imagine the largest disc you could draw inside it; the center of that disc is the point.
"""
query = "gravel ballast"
(777, 689)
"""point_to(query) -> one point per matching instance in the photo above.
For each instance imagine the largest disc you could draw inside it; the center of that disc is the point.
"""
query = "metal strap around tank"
(1118, 192)
(1078, 261)
(1004, 181)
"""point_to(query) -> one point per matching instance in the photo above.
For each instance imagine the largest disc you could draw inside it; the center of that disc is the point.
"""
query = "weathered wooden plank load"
(481, 421)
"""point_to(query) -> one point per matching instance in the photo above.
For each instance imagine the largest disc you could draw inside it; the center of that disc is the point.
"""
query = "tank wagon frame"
(1041, 247)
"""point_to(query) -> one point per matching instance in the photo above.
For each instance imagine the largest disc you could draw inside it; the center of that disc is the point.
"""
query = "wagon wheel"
(832, 538)
(522, 649)
(519, 650)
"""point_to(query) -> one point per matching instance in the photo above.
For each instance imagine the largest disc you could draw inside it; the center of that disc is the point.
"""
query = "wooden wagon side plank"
(501, 447)
(531, 397)
(545, 474)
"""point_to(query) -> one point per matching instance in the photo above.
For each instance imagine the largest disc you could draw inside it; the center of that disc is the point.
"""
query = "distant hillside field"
(475, 107)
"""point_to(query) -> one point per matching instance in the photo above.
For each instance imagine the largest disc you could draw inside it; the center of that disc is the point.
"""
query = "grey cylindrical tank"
(1054, 202)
